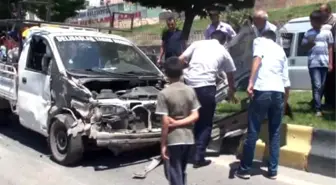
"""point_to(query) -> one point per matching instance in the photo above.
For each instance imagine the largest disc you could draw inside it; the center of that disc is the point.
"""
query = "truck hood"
(88, 75)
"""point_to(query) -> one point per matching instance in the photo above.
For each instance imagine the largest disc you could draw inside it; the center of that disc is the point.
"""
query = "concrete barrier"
(301, 147)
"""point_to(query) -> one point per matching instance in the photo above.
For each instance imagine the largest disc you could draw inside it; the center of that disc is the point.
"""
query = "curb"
(301, 147)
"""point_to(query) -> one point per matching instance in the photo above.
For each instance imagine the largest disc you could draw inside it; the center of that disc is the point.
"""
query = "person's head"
(259, 19)
(173, 69)
(214, 16)
(316, 19)
(269, 34)
(171, 23)
(219, 35)
(326, 11)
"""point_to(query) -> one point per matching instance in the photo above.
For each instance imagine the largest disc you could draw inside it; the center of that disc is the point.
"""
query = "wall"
(275, 4)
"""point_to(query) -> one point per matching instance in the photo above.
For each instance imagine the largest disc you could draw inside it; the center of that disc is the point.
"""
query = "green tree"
(191, 8)
(60, 9)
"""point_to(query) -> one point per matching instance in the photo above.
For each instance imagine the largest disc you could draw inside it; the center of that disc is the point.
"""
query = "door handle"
(292, 62)
(24, 80)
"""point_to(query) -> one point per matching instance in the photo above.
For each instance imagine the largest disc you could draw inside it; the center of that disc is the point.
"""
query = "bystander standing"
(268, 88)
(319, 42)
(329, 90)
(207, 58)
(261, 23)
(178, 106)
(173, 43)
(218, 25)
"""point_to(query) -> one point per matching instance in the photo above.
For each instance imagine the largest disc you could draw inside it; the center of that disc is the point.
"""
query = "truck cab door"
(34, 85)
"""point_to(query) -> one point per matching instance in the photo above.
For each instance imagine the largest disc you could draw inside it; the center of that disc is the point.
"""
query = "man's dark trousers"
(329, 89)
(203, 127)
(270, 104)
(176, 166)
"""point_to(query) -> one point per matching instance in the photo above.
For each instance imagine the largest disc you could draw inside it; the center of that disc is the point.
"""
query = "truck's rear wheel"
(66, 150)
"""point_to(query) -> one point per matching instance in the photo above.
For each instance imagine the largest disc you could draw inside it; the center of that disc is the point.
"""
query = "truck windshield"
(102, 54)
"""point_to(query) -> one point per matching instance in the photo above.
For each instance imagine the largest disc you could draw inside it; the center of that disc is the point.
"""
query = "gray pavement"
(24, 160)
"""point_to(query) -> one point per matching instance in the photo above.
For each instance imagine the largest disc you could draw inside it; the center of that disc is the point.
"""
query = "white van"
(292, 34)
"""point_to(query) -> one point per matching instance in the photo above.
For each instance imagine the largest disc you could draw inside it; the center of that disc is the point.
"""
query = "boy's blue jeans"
(318, 76)
(270, 104)
(175, 167)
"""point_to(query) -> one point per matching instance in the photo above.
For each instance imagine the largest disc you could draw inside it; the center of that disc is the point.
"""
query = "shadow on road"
(102, 159)
(99, 160)
(26, 137)
(256, 169)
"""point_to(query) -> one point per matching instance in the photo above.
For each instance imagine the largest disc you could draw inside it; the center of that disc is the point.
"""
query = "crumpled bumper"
(117, 139)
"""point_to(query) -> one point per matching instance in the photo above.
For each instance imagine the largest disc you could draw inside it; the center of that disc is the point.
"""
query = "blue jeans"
(318, 77)
(270, 104)
(175, 167)
(203, 127)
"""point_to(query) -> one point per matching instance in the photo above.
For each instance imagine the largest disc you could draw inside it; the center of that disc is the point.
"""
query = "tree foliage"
(60, 9)
(191, 8)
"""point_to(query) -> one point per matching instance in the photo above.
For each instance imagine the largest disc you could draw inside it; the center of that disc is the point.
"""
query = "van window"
(287, 41)
(301, 51)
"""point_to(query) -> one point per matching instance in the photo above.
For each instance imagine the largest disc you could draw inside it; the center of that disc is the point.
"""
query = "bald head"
(260, 18)
(261, 14)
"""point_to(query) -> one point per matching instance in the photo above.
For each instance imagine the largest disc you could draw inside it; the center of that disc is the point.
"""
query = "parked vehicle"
(76, 85)
(292, 34)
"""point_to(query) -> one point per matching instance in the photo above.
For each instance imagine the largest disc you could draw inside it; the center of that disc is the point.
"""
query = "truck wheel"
(66, 150)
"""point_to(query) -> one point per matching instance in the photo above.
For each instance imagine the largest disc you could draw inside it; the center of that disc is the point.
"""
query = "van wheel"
(66, 150)
(5, 116)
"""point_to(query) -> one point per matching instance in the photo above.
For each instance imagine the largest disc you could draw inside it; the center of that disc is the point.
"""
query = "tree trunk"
(189, 16)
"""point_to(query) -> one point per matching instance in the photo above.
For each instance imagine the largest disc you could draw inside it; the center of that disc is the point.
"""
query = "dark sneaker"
(242, 175)
(273, 177)
(200, 164)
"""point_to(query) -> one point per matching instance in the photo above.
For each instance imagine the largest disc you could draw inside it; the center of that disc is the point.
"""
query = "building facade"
(99, 13)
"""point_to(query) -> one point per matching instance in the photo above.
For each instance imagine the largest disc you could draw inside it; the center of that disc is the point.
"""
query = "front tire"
(66, 150)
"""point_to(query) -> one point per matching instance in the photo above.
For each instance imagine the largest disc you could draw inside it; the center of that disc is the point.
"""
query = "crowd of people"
(188, 104)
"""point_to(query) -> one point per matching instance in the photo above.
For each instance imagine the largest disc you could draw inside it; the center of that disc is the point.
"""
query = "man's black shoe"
(200, 164)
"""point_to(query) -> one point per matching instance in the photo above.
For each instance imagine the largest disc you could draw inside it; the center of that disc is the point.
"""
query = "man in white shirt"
(207, 59)
(218, 25)
(269, 88)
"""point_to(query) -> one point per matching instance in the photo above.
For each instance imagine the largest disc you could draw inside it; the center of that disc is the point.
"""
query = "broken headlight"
(84, 109)
(111, 110)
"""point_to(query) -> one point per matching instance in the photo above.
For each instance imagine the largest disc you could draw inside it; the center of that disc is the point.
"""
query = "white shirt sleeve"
(257, 48)
(190, 50)
(231, 31)
(285, 76)
(330, 38)
(227, 64)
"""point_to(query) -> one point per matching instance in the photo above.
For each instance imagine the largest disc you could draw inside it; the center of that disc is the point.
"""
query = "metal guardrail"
(8, 82)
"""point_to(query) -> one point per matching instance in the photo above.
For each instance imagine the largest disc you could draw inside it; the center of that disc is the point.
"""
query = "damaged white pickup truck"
(76, 86)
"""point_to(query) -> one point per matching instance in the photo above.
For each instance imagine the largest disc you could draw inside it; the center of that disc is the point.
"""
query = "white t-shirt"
(207, 58)
(272, 74)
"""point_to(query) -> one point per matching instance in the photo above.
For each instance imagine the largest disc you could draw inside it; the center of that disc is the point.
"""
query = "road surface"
(24, 160)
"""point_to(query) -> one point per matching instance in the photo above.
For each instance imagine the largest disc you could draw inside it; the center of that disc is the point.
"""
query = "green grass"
(279, 15)
(303, 114)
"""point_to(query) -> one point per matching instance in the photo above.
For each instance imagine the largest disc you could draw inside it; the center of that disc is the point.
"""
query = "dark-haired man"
(216, 24)
(207, 58)
(173, 43)
(269, 88)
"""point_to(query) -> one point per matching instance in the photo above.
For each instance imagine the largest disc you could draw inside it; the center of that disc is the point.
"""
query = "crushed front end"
(120, 120)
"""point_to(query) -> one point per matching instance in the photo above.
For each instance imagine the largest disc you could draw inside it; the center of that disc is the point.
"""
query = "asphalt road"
(24, 160)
